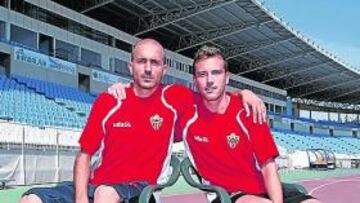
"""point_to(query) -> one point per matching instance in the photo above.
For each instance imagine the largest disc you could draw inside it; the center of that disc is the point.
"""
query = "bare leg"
(311, 201)
(252, 199)
(30, 199)
(106, 194)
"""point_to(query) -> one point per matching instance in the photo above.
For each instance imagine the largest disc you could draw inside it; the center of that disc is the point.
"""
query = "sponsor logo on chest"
(120, 124)
(200, 138)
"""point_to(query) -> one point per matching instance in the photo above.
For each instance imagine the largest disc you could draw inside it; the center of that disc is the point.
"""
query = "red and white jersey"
(227, 149)
(134, 136)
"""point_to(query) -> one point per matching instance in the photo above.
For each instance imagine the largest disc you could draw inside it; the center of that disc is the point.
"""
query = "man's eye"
(141, 60)
(201, 74)
(216, 72)
(155, 62)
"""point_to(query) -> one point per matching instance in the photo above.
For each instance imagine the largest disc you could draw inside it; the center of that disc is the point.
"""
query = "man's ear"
(165, 70)
(227, 75)
(194, 82)
(130, 66)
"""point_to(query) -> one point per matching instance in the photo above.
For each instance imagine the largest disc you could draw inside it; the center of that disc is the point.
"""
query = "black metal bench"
(145, 196)
(186, 168)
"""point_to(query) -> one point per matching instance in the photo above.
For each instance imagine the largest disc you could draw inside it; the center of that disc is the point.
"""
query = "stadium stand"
(69, 97)
(43, 103)
(317, 122)
(54, 108)
(302, 141)
(41, 119)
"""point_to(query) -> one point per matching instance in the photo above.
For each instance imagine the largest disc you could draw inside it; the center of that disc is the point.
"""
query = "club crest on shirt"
(233, 140)
(156, 121)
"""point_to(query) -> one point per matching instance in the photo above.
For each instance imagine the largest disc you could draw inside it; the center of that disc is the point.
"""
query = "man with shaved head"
(133, 136)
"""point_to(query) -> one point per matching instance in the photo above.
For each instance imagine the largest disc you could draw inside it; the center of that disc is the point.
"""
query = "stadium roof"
(257, 44)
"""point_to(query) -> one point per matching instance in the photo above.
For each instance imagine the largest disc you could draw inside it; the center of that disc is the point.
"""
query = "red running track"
(335, 190)
(330, 190)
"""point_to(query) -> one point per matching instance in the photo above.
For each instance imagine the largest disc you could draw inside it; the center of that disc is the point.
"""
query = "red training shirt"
(134, 136)
(228, 148)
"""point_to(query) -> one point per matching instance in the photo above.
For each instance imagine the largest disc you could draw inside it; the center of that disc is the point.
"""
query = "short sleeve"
(93, 132)
(261, 140)
(181, 99)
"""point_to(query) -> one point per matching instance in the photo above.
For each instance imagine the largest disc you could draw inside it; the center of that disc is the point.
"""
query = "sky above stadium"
(332, 24)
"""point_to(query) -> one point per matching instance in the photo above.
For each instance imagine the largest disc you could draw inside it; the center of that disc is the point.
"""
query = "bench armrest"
(186, 166)
(150, 189)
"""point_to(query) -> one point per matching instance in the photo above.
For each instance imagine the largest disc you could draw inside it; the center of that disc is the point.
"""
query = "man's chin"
(148, 85)
(211, 97)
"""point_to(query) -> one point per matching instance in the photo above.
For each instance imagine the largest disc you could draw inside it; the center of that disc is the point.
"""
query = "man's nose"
(148, 68)
(209, 79)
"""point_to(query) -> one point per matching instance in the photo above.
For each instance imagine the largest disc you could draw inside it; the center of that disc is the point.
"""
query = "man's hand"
(118, 90)
(257, 106)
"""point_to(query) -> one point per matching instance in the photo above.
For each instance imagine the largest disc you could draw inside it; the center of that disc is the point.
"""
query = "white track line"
(305, 180)
(332, 183)
(323, 178)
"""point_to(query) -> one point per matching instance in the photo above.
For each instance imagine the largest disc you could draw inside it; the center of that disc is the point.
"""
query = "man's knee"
(106, 194)
(311, 201)
(30, 199)
(252, 199)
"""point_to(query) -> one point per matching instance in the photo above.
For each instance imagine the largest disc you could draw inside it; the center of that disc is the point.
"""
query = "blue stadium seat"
(302, 141)
(22, 101)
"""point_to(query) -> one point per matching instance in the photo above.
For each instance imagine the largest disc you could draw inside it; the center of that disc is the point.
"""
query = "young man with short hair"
(227, 148)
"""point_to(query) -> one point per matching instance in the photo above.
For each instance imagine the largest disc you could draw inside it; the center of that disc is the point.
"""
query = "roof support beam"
(296, 72)
(154, 21)
(314, 80)
(178, 26)
(248, 48)
(98, 5)
(326, 95)
(117, 5)
(355, 101)
(199, 38)
(317, 90)
(344, 94)
(277, 61)
(143, 8)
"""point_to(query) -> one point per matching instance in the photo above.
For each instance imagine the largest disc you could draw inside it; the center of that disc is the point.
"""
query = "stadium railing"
(320, 122)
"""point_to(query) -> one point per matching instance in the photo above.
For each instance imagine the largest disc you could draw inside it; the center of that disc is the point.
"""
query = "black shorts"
(288, 196)
(64, 192)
